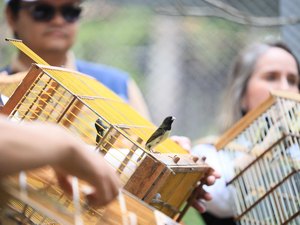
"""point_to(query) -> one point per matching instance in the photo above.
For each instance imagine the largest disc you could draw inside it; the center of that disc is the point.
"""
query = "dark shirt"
(210, 219)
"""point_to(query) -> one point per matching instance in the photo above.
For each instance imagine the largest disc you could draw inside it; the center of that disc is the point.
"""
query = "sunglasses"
(45, 12)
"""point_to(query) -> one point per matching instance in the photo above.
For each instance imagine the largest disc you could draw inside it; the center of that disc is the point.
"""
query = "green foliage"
(115, 40)
(192, 217)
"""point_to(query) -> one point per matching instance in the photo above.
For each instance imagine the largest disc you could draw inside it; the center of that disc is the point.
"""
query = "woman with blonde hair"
(257, 70)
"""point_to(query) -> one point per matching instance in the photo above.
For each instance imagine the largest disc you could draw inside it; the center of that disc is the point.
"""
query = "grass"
(192, 217)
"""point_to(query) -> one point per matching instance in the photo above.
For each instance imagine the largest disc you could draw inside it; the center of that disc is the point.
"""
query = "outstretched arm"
(31, 145)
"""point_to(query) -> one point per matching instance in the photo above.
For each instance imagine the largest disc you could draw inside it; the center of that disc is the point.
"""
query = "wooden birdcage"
(35, 198)
(164, 179)
(264, 146)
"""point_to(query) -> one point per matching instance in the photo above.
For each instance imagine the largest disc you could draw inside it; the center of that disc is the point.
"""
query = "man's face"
(52, 35)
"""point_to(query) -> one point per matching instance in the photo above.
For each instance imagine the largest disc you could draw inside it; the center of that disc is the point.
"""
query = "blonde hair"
(237, 80)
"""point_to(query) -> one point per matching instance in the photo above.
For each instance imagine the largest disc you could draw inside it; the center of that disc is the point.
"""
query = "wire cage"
(164, 179)
(265, 148)
(43, 202)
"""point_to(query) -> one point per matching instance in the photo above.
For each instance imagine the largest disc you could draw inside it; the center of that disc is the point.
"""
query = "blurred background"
(179, 51)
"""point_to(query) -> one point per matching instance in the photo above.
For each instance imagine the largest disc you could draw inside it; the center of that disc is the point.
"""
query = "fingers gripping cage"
(265, 149)
(43, 202)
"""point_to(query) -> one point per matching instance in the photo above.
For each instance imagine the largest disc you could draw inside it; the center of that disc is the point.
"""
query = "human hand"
(54, 146)
(91, 167)
(201, 194)
(183, 141)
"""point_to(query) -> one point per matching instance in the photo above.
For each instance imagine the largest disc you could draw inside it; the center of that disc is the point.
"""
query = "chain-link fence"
(178, 51)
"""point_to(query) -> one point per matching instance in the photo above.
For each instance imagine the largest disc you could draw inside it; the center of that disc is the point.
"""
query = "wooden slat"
(21, 90)
(252, 115)
(286, 94)
(22, 47)
(144, 177)
(242, 124)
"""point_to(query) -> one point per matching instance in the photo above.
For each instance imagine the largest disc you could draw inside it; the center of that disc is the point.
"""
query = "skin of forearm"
(27, 146)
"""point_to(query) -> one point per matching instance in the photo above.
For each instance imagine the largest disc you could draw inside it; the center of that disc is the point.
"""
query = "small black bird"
(100, 127)
(161, 134)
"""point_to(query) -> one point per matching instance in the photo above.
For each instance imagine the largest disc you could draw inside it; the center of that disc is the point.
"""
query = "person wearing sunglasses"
(49, 28)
